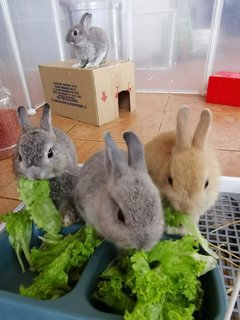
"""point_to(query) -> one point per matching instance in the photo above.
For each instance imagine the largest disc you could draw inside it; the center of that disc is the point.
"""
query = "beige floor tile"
(144, 124)
(86, 149)
(7, 205)
(57, 121)
(11, 191)
(230, 163)
(169, 121)
(63, 123)
(151, 101)
(218, 108)
(195, 102)
(226, 131)
(7, 175)
(85, 131)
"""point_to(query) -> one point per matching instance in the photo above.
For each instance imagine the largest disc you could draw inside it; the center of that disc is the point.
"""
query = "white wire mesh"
(225, 211)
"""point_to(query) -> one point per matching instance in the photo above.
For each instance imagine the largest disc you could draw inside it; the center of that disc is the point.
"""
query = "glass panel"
(171, 41)
(228, 49)
(8, 68)
(36, 37)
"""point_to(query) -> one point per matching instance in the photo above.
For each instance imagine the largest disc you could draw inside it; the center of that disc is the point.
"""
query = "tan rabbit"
(185, 168)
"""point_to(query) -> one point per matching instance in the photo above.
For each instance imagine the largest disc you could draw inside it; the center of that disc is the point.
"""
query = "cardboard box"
(224, 88)
(90, 95)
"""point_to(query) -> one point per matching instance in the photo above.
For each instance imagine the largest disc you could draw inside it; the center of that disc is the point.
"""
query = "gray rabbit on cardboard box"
(90, 44)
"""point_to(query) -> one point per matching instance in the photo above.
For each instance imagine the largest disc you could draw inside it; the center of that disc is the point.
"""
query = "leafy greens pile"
(35, 194)
(60, 264)
(60, 259)
(160, 284)
(177, 220)
(19, 229)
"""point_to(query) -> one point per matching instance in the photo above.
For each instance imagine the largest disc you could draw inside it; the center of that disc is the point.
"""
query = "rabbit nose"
(186, 208)
(140, 245)
(34, 173)
(145, 245)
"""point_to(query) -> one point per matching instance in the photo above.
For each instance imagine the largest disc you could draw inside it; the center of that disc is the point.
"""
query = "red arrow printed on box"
(104, 97)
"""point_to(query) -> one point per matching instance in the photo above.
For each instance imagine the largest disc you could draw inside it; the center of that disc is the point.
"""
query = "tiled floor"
(154, 113)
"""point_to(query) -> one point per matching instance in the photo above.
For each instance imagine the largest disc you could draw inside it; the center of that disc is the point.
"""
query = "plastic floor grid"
(225, 211)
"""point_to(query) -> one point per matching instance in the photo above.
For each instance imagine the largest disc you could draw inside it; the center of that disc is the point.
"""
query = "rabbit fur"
(185, 168)
(48, 153)
(90, 44)
(116, 195)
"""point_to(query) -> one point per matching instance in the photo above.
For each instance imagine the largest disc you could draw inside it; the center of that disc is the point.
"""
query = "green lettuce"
(176, 220)
(160, 284)
(19, 229)
(40, 209)
(36, 196)
(60, 259)
(60, 264)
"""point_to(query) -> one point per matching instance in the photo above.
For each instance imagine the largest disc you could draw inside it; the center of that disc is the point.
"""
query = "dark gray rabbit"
(116, 195)
(90, 44)
(48, 153)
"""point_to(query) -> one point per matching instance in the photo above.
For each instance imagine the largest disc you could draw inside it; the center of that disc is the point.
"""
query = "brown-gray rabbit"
(90, 44)
(185, 168)
(48, 153)
(116, 195)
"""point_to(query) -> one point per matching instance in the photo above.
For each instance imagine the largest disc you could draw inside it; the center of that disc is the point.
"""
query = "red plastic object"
(224, 88)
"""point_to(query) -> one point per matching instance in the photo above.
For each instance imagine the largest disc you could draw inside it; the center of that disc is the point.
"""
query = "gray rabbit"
(90, 44)
(116, 195)
(48, 153)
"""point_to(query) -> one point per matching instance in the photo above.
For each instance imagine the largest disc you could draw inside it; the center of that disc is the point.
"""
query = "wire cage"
(221, 227)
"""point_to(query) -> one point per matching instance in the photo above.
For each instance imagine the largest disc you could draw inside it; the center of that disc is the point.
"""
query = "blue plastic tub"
(77, 304)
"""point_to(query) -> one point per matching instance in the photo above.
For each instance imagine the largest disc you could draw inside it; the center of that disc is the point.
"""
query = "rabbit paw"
(91, 64)
(175, 231)
(77, 65)
(68, 218)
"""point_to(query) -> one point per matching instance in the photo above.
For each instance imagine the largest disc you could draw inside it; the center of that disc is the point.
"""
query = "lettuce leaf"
(60, 264)
(60, 259)
(160, 284)
(36, 196)
(19, 229)
(176, 220)
(40, 209)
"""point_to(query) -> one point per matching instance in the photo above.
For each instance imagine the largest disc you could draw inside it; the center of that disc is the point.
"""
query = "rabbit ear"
(46, 120)
(114, 161)
(85, 21)
(203, 126)
(183, 138)
(23, 119)
(135, 151)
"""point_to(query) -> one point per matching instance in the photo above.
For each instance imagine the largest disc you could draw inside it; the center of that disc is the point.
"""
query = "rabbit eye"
(170, 181)
(206, 184)
(50, 153)
(75, 32)
(121, 216)
(19, 157)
